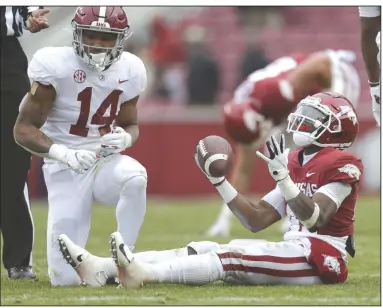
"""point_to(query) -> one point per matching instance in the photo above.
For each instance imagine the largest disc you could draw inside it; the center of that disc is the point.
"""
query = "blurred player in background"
(80, 114)
(371, 25)
(317, 189)
(267, 96)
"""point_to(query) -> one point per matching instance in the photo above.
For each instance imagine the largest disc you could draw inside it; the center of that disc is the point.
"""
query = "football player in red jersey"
(316, 188)
(265, 99)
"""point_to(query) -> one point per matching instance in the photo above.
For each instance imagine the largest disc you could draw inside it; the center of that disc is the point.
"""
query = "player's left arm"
(314, 212)
(317, 211)
(125, 127)
(127, 119)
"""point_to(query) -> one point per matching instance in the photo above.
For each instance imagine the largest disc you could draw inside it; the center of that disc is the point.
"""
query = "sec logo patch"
(79, 76)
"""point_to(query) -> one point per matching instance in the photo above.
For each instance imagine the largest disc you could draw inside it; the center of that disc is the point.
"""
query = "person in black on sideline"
(16, 220)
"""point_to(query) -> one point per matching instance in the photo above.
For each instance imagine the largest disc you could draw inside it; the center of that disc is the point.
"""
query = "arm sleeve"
(336, 191)
(276, 200)
(41, 70)
(369, 11)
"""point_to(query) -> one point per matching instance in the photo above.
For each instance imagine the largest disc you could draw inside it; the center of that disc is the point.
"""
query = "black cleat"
(21, 273)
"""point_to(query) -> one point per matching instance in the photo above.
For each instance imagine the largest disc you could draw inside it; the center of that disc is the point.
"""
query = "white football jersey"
(87, 101)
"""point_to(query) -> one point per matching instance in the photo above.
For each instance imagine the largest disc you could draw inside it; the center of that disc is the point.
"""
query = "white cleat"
(219, 229)
(88, 267)
(130, 272)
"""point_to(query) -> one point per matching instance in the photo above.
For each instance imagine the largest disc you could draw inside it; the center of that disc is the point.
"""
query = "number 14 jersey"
(87, 101)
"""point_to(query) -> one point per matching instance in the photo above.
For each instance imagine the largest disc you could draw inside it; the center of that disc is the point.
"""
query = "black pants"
(16, 220)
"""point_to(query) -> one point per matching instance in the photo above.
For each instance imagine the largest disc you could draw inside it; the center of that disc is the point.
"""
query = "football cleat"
(88, 267)
(130, 272)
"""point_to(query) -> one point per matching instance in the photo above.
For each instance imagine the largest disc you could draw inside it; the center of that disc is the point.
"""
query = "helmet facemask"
(310, 121)
(107, 55)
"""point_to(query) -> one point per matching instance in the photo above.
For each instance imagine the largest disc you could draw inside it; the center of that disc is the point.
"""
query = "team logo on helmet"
(349, 112)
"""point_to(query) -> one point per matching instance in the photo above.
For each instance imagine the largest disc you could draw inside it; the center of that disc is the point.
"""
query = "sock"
(195, 270)
(109, 267)
(131, 208)
(160, 256)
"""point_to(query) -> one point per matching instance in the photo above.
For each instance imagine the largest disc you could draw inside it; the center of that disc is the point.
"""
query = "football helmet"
(243, 123)
(111, 19)
(325, 119)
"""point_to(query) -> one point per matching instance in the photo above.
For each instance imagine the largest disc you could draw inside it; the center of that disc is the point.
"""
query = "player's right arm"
(254, 216)
(34, 111)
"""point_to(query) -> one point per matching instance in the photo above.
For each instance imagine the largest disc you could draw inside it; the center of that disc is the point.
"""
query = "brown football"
(215, 156)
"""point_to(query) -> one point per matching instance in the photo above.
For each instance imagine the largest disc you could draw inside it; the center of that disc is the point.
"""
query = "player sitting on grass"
(317, 188)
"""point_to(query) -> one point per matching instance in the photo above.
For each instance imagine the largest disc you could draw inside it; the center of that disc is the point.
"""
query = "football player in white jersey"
(370, 19)
(80, 114)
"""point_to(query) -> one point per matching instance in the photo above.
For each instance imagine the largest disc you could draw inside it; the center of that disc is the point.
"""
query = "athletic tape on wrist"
(227, 192)
(288, 188)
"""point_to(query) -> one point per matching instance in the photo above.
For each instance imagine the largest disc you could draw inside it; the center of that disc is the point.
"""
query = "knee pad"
(136, 182)
(130, 170)
(201, 247)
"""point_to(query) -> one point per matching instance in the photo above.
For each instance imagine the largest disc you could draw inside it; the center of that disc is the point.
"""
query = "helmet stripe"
(101, 14)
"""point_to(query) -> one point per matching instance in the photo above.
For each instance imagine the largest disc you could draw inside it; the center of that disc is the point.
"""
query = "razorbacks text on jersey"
(262, 86)
(87, 101)
(327, 166)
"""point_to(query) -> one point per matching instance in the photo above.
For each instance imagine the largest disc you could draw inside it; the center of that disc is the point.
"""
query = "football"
(215, 156)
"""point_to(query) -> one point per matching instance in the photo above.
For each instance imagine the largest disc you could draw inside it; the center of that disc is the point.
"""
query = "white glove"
(214, 180)
(116, 141)
(375, 96)
(78, 160)
(278, 160)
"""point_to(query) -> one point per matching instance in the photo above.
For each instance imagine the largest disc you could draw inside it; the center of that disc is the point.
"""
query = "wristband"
(57, 152)
(313, 219)
(288, 188)
(227, 191)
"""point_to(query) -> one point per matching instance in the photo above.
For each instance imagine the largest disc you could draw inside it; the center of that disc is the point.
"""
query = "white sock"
(160, 256)
(109, 267)
(131, 208)
(195, 270)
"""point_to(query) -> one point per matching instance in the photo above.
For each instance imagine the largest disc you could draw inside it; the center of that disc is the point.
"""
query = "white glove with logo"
(116, 141)
(278, 160)
(375, 96)
(214, 180)
(78, 160)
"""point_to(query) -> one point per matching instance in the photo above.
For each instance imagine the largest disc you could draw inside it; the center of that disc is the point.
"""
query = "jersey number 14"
(85, 97)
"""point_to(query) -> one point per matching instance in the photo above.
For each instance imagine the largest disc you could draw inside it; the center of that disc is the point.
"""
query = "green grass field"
(171, 224)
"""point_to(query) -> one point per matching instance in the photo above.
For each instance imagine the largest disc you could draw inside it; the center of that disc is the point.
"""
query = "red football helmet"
(111, 19)
(325, 119)
(243, 123)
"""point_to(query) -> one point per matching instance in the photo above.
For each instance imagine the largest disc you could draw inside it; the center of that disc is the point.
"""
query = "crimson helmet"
(243, 123)
(110, 19)
(325, 119)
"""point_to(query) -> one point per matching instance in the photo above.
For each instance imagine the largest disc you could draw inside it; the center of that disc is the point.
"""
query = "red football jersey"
(262, 88)
(327, 166)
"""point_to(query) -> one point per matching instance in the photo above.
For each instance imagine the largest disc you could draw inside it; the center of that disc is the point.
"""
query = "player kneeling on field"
(317, 188)
(80, 114)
